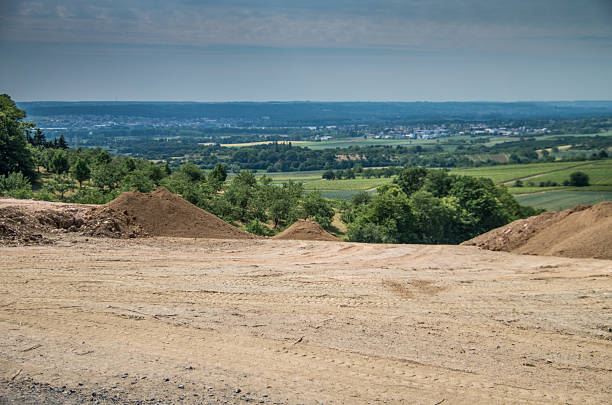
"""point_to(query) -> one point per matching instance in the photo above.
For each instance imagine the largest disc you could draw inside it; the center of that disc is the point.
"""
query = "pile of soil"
(160, 213)
(582, 232)
(23, 226)
(305, 229)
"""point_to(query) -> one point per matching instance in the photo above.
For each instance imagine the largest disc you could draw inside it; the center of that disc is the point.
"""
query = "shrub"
(579, 179)
(258, 228)
(15, 185)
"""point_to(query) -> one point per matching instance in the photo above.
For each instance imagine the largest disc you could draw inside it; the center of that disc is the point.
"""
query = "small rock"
(181, 386)
(238, 391)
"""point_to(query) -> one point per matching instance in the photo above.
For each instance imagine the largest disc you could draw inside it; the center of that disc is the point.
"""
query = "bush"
(579, 179)
(15, 185)
(258, 228)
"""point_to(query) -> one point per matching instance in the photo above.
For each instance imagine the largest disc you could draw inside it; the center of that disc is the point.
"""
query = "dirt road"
(265, 321)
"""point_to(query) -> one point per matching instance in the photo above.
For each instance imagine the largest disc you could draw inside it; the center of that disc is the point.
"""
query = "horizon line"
(318, 101)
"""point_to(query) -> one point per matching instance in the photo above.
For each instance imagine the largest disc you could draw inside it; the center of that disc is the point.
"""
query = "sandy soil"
(268, 321)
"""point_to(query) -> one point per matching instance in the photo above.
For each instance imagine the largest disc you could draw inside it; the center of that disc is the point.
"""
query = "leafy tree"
(281, 204)
(59, 163)
(192, 171)
(106, 176)
(318, 208)
(579, 179)
(387, 219)
(411, 179)
(361, 198)
(81, 171)
(15, 155)
(240, 193)
(218, 174)
(60, 184)
(329, 175)
(138, 180)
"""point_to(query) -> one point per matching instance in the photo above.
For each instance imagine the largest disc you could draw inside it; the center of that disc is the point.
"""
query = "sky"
(329, 50)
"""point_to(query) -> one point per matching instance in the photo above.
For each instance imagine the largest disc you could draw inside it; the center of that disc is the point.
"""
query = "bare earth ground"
(205, 321)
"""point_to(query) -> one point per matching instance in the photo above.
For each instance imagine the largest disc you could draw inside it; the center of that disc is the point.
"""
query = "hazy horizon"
(316, 101)
(299, 50)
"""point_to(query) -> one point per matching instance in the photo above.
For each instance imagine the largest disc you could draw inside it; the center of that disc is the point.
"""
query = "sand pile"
(160, 213)
(583, 232)
(306, 230)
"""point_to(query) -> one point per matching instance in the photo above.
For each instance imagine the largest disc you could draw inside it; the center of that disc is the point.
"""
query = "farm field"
(446, 142)
(562, 199)
(95, 320)
(600, 173)
(509, 173)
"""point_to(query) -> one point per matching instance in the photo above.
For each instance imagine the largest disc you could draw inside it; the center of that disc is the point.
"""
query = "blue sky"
(306, 50)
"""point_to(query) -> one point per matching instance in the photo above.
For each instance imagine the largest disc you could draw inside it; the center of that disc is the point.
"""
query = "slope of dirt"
(206, 321)
(160, 213)
(582, 232)
(304, 229)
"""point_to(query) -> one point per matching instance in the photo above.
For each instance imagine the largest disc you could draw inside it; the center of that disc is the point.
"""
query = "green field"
(508, 173)
(559, 200)
(552, 198)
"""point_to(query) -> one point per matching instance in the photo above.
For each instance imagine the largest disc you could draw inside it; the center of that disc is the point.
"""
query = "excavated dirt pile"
(306, 230)
(160, 213)
(582, 232)
(19, 225)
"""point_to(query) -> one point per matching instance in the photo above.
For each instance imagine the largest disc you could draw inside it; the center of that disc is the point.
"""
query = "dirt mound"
(21, 225)
(583, 232)
(306, 230)
(160, 213)
(18, 227)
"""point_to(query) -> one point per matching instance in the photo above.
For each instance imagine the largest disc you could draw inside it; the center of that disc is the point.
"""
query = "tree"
(329, 175)
(411, 180)
(15, 155)
(60, 184)
(39, 138)
(318, 208)
(361, 198)
(81, 171)
(60, 142)
(218, 174)
(59, 163)
(579, 179)
(387, 219)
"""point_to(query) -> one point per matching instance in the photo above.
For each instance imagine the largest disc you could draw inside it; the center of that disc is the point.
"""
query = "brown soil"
(31, 222)
(584, 231)
(201, 321)
(304, 229)
(160, 213)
